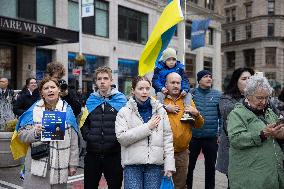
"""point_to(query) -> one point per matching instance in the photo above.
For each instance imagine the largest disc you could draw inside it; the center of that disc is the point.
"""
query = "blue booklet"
(54, 126)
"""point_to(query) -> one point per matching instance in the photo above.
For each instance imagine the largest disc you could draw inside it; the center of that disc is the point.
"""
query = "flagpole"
(184, 36)
(80, 42)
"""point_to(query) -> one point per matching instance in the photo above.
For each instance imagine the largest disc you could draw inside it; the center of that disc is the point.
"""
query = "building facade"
(115, 36)
(253, 37)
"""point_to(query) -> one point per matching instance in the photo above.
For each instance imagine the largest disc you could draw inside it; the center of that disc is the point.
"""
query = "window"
(8, 8)
(97, 24)
(249, 57)
(271, 7)
(248, 31)
(92, 63)
(233, 32)
(8, 59)
(228, 36)
(190, 65)
(233, 14)
(208, 64)
(194, 1)
(230, 14)
(132, 25)
(231, 59)
(209, 4)
(73, 15)
(248, 10)
(270, 55)
(27, 9)
(209, 36)
(43, 57)
(127, 69)
(46, 12)
(188, 30)
(270, 30)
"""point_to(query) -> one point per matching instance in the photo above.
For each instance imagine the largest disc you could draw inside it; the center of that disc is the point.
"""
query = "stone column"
(199, 64)
(217, 61)
(113, 36)
(26, 63)
(181, 42)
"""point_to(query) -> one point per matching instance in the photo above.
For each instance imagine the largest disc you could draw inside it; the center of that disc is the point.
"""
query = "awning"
(30, 33)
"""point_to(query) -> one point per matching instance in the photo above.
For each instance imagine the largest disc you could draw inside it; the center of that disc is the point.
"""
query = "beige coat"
(141, 145)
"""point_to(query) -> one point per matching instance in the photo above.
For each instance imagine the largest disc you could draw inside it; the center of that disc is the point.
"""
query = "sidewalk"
(9, 178)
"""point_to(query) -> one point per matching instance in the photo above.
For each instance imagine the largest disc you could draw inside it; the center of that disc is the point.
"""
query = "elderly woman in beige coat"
(51, 170)
(143, 130)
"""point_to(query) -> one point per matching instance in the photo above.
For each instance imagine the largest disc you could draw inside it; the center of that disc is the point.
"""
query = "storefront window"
(45, 12)
(43, 57)
(8, 8)
(73, 14)
(6, 65)
(92, 63)
(127, 70)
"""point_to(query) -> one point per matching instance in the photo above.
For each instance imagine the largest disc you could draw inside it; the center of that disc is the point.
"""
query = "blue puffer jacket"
(161, 71)
(207, 103)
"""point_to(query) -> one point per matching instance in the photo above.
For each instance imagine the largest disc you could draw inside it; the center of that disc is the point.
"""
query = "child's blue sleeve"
(156, 82)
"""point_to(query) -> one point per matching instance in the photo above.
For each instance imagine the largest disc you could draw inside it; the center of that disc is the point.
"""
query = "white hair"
(257, 82)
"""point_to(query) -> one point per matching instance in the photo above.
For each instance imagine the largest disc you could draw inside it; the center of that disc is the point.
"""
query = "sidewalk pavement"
(9, 178)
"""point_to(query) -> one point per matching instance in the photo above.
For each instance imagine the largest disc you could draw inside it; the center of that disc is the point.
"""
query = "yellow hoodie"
(182, 131)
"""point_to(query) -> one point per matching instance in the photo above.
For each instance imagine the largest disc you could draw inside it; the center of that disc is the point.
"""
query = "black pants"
(110, 165)
(209, 148)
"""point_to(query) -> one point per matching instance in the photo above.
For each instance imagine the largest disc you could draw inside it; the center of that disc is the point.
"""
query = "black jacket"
(24, 101)
(99, 131)
(73, 100)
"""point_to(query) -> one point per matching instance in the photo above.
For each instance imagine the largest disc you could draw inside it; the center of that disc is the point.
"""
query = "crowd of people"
(139, 140)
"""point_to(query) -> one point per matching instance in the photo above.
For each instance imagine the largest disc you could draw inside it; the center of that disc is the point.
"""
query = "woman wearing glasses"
(255, 157)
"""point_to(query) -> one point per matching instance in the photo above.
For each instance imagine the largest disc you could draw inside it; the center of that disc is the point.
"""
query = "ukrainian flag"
(117, 101)
(160, 36)
(18, 148)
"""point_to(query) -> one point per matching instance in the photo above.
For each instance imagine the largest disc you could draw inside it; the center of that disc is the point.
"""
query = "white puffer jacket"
(141, 145)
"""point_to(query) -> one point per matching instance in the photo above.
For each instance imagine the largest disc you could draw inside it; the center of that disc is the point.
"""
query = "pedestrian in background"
(144, 132)
(58, 159)
(27, 97)
(206, 138)
(233, 93)
(182, 131)
(98, 130)
(6, 103)
(255, 157)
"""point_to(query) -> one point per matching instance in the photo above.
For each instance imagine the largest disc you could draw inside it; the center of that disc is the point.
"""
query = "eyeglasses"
(261, 98)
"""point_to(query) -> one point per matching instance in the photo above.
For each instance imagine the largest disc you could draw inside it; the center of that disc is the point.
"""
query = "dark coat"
(73, 100)
(99, 131)
(24, 101)
(226, 105)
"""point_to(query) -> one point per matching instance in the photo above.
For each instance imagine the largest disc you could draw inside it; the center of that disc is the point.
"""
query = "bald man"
(182, 131)
(4, 91)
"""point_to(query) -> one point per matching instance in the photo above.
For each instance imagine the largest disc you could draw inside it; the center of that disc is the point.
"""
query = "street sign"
(76, 72)
(87, 10)
(84, 2)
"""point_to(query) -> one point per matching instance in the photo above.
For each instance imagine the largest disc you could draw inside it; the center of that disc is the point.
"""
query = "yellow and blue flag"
(19, 148)
(117, 101)
(160, 36)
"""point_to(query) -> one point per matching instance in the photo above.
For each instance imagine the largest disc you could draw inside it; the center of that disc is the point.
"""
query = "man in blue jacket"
(206, 100)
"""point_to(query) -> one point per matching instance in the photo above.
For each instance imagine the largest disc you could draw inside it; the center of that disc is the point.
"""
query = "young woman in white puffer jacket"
(142, 128)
